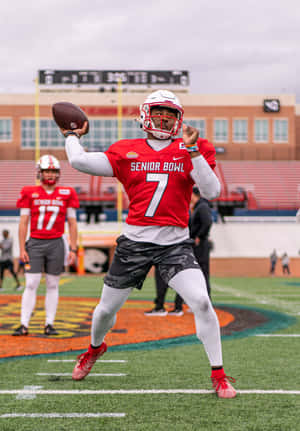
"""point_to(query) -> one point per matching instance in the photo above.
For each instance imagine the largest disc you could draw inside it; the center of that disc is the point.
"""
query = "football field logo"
(132, 329)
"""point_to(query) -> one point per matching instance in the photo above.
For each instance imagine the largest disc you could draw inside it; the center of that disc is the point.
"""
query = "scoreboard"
(101, 80)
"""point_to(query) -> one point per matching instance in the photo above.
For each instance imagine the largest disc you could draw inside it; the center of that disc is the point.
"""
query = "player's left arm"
(73, 233)
(205, 179)
(202, 174)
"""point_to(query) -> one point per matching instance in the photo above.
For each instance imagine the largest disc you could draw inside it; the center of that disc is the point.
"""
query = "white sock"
(51, 298)
(32, 282)
(191, 286)
(104, 316)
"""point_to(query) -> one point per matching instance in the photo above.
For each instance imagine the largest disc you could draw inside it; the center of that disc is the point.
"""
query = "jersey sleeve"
(24, 199)
(73, 201)
(208, 151)
(114, 156)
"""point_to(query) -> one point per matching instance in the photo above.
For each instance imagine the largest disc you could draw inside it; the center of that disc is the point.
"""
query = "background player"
(200, 224)
(158, 174)
(47, 206)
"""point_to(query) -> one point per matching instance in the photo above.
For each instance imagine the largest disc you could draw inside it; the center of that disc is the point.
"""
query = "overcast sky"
(228, 46)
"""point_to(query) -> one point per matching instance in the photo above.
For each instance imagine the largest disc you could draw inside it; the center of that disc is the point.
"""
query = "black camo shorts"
(133, 260)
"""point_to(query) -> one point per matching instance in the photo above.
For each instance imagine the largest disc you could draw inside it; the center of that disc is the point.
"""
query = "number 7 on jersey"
(162, 182)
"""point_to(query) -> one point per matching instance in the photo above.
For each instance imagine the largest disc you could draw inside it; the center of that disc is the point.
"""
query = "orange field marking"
(73, 321)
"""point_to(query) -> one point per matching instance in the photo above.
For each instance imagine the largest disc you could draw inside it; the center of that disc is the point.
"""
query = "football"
(68, 116)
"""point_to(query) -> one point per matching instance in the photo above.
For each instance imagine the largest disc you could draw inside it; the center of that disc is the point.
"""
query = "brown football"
(68, 116)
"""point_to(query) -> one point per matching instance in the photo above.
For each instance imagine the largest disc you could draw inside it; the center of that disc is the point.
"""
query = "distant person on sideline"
(200, 224)
(6, 259)
(285, 262)
(273, 261)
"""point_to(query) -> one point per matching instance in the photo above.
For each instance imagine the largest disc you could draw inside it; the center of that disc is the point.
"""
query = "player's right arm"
(94, 163)
(23, 228)
(24, 203)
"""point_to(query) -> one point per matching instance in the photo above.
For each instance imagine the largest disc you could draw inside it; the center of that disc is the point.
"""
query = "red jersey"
(158, 183)
(47, 211)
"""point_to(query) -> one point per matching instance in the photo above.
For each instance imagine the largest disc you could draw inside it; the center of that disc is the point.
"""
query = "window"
(280, 130)
(261, 130)
(221, 130)
(102, 133)
(50, 135)
(5, 129)
(240, 130)
(132, 129)
(200, 125)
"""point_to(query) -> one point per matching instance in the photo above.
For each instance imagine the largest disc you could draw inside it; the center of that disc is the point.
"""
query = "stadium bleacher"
(273, 184)
(16, 174)
(268, 184)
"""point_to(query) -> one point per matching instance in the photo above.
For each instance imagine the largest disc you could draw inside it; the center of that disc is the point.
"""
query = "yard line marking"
(277, 335)
(91, 374)
(260, 300)
(271, 392)
(62, 415)
(141, 391)
(100, 360)
(30, 395)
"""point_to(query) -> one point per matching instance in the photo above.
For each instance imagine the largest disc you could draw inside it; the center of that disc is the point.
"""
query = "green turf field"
(262, 366)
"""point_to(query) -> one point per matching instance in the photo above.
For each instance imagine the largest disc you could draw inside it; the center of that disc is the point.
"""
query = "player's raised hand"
(190, 136)
(83, 131)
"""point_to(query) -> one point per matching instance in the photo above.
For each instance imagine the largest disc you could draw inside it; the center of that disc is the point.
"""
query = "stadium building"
(257, 138)
(254, 127)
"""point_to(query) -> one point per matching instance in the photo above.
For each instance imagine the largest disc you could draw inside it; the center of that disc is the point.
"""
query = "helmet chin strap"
(161, 135)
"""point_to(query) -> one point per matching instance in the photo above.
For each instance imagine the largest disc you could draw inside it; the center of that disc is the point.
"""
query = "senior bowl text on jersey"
(157, 166)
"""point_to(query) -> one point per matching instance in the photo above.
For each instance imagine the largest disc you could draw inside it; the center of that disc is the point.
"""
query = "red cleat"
(86, 361)
(222, 386)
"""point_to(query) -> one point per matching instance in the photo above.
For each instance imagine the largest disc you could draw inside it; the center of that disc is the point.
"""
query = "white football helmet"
(48, 162)
(166, 99)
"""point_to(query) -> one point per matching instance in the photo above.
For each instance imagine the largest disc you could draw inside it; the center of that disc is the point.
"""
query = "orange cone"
(80, 261)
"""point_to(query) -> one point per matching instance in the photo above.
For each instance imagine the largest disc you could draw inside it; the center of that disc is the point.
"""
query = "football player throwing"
(158, 174)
